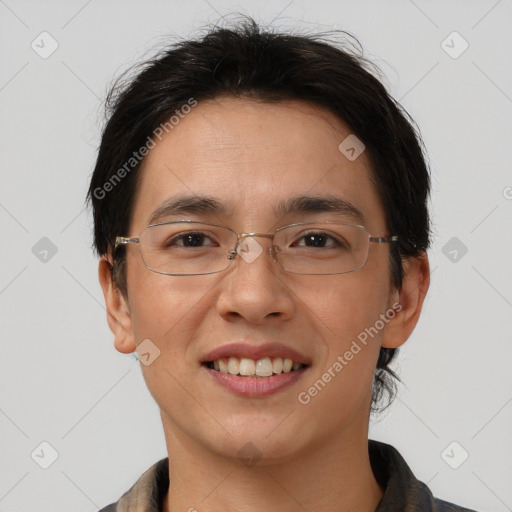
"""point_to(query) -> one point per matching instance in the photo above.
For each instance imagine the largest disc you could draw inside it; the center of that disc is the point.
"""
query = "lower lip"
(255, 387)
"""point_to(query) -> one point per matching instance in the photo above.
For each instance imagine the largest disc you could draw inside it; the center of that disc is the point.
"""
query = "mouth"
(250, 368)
(255, 371)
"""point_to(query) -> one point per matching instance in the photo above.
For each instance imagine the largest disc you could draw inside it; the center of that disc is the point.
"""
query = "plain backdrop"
(62, 383)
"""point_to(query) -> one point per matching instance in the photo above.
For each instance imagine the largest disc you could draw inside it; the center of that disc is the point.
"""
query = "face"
(251, 157)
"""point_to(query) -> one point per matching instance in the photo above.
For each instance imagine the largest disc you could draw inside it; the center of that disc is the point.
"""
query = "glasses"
(189, 248)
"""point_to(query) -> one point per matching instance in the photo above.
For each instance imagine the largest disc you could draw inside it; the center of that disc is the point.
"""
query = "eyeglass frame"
(122, 240)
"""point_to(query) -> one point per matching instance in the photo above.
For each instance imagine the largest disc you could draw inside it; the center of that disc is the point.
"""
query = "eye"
(320, 240)
(190, 239)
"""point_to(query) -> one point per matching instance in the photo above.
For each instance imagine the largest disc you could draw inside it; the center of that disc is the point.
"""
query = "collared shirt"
(402, 491)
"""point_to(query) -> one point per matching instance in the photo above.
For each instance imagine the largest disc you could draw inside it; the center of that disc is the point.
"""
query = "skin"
(250, 155)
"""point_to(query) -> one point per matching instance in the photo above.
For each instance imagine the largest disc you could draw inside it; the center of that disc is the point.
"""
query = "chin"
(258, 440)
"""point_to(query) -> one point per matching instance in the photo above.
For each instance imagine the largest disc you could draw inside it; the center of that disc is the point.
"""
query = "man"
(260, 209)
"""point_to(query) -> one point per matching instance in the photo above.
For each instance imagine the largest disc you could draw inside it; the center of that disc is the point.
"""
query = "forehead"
(252, 156)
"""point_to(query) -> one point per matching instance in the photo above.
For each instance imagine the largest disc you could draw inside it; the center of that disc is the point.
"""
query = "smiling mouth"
(244, 367)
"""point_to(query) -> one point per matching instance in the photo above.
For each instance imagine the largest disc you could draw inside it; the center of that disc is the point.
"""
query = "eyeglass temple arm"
(124, 240)
(395, 238)
(383, 239)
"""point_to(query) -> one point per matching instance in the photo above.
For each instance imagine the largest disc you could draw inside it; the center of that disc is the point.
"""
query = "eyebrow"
(319, 204)
(305, 204)
(187, 204)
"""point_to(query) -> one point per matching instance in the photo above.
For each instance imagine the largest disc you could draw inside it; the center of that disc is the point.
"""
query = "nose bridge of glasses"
(249, 248)
(246, 235)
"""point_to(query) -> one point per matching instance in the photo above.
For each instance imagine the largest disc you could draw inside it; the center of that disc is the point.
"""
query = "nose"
(254, 288)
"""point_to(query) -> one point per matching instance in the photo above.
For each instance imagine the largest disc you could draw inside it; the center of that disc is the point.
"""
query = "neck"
(332, 475)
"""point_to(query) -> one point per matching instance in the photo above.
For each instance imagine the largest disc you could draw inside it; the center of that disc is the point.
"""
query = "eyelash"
(183, 236)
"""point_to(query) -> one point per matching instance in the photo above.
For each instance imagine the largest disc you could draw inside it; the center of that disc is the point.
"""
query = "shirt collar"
(402, 491)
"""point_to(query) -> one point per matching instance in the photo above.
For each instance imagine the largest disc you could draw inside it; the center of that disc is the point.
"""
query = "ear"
(118, 313)
(408, 301)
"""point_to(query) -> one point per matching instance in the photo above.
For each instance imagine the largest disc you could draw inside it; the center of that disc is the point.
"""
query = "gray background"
(61, 380)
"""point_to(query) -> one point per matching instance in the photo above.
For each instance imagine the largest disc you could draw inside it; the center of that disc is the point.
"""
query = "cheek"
(347, 304)
(165, 309)
(340, 387)
(168, 311)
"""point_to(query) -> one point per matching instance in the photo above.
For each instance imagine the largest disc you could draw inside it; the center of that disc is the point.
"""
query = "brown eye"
(191, 239)
(319, 240)
(316, 240)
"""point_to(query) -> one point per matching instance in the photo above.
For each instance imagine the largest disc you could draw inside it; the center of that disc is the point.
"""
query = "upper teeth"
(261, 368)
